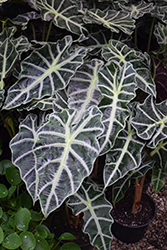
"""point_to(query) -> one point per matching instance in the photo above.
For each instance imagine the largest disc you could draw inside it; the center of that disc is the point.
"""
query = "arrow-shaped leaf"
(120, 53)
(150, 121)
(138, 10)
(97, 219)
(83, 88)
(113, 20)
(125, 156)
(64, 14)
(159, 154)
(46, 70)
(56, 151)
(118, 88)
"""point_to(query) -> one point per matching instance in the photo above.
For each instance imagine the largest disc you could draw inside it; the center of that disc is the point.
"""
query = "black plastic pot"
(131, 234)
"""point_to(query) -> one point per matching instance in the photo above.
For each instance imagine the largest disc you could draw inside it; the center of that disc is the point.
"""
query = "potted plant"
(84, 85)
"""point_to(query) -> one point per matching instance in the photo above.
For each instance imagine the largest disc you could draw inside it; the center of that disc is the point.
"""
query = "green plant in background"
(21, 225)
(86, 83)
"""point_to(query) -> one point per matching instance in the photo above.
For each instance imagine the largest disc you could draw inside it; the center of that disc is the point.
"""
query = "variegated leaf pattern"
(23, 19)
(120, 187)
(21, 44)
(113, 20)
(160, 31)
(150, 121)
(64, 14)
(83, 88)
(43, 104)
(160, 12)
(159, 154)
(45, 71)
(2, 91)
(118, 88)
(56, 151)
(138, 10)
(96, 41)
(125, 156)
(8, 54)
(22, 147)
(97, 219)
(61, 100)
(158, 178)
(120, 53)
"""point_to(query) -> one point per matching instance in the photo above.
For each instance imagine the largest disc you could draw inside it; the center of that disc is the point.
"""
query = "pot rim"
(146, 224)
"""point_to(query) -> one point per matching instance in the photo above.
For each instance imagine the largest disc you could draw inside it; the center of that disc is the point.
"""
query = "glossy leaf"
(97, 219)
(61, 100)
(70, 246)
(125, 156)
(22, 219)
(159, 155)
(8, 54)
(3, 191)
(27, 241)
(113, 20)
(41, 244)
(45, 71)
(160, 31)
(13, 175)
(150, 121)
(158, 178)
(56, 151)
(67, 236)
(12, 241)
(120, 54)
(23, 19)
(118, 88)
(64, 14)
(1, 235)
(160, 78)
(137, 10)
(122, 185)
(83, 88)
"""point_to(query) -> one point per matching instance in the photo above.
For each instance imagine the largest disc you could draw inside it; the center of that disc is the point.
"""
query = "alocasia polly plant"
(86, 83)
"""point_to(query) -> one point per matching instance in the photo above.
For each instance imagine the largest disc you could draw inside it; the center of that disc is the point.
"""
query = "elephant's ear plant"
(85, 85)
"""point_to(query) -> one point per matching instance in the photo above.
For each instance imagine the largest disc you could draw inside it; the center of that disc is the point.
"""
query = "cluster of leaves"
(21, 225)
(86, 83)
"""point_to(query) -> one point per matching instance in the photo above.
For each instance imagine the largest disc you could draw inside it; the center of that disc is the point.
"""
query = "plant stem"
(43, 33)
(135, 37)
(48, 33)
(67, 212)
(150, 35)
(33, 31)
(6, 125)
(138, 194)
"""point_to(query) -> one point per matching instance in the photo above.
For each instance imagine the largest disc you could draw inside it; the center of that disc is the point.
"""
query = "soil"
(155, 237)
(123, 213)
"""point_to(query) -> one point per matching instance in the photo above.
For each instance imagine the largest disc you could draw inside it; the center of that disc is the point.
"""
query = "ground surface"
(156, 234)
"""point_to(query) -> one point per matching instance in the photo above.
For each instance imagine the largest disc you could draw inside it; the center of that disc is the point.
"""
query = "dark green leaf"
(3, 191)
(27, 241)
(67, 236)
(13, 175)
(41, 244)
(1, 235)
(70, 246)
(12, 241)
(22, 219)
